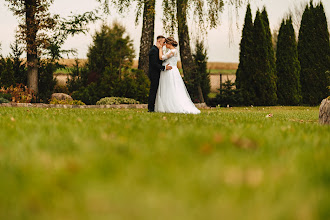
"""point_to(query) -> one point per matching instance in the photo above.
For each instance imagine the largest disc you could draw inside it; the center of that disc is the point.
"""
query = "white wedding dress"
(172, 95)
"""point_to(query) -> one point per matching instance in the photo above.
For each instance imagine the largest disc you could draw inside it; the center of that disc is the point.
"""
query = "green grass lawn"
(63, 71)
(227, 163)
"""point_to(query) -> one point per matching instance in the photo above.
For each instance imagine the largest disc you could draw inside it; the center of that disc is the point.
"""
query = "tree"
(6, 73)
(148, 26)
(147, 36)
(109, 72)
(287, 65)
(20, 73)
(110, 49)
(270, 47)
(35, 21)
(200, 60)
(264, 82)
(314, 54)
(175, 15)
(245, 69)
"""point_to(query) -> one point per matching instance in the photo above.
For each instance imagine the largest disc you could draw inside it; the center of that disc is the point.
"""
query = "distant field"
(227, 68)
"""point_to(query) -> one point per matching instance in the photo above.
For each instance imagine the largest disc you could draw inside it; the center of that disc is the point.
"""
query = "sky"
(222, 43)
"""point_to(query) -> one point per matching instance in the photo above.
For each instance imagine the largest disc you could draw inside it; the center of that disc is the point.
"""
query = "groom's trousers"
(154, 82)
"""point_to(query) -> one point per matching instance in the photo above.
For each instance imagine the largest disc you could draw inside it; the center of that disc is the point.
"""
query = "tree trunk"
(31, 36)
(147, 36)
(188, 66)
(324, 115)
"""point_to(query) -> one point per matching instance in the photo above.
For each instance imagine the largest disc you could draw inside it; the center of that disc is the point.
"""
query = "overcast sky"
(222, 44)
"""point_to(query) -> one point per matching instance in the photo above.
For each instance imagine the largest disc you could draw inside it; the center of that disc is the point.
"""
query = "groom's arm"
(153, 61)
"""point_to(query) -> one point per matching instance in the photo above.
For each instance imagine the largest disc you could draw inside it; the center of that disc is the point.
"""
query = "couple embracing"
(168, 92)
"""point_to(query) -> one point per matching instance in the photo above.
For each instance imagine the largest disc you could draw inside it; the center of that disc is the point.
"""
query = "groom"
(155, 66)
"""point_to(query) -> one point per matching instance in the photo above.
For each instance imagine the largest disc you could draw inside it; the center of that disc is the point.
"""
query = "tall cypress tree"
(287, 66)
(270, 47)
(245, 67)
(264, 79)
(314, 54)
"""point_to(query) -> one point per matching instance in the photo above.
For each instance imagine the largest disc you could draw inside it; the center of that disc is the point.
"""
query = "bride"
(172, 95)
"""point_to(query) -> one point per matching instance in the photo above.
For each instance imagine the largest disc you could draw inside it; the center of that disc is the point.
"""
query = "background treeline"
(296, 73)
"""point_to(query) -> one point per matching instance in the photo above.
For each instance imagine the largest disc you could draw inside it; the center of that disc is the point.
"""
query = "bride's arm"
(166, 56)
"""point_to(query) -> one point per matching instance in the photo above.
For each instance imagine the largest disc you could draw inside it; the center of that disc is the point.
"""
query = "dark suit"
(155, 66)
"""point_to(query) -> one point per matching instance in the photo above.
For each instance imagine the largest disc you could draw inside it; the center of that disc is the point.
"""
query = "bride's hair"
(172, 41)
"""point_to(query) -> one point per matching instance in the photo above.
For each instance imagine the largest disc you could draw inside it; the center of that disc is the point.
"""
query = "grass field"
(227, 163)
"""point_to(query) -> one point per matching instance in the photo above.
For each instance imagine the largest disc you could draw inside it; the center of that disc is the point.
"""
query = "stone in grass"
(61, 96)
(324, 115)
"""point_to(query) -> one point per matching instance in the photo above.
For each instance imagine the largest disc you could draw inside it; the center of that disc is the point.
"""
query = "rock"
(61, 96)
(324, 115)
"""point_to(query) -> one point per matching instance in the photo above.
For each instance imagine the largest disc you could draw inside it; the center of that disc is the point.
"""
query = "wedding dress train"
(172, 95)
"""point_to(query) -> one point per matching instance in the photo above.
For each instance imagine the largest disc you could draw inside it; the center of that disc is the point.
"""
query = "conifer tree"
(314, 54)
(264, 80)
(200, 59)
(287, 66)
(6, 73)
(270, 47)
(245, 67)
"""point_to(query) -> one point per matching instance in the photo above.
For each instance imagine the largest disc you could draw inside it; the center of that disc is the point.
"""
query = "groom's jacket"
(155, 64)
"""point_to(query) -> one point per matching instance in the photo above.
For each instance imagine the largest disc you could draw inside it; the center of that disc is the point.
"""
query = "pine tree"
(270, 47)
(287, 66)
(314, 54)
(200, 59)
(245, 67)
(264, 79)
(6, 73)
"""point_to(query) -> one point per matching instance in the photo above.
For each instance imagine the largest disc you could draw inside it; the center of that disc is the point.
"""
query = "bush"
(66, 102)
(116, 101)
(108, 72)
(5, 96)
(229, 95)
(47, 81)
(61, 89)
(3, 100)
(19, 94)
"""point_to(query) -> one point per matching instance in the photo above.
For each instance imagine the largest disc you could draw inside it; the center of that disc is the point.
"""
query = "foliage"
(116, 101)
(112, 49)
(229, 95)
(133, 84)
(6, 72)
(78, 77)
(20, 93)
(264, 76)
(288, 66)
(66, 102)
(5, 96)
(217, 161)
(47, 81)
(245, 71)
(61, 89)
(314, 54)
(44, 34)
(19, 66)
(3, 100)
(108, 72)
(200, 59)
